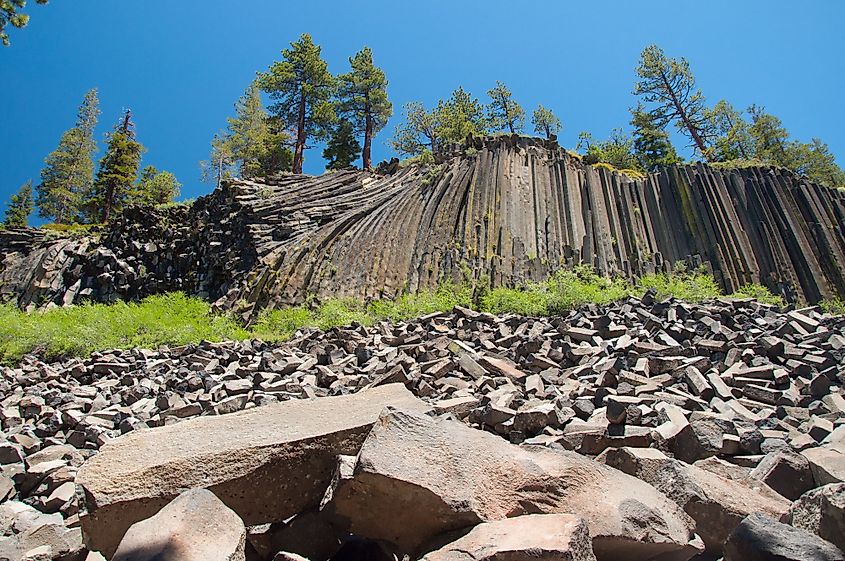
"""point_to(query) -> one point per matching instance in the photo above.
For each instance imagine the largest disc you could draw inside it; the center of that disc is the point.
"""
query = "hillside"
(507, 210)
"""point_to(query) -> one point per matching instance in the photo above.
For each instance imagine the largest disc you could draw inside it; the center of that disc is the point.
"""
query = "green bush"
(532, 300)
(835, 306)
(406, 306)
(171, 319)
(692, 287)
(278, 325)
(569, 289)
(760, 293)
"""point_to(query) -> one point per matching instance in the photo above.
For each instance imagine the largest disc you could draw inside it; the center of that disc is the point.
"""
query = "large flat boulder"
(533, 537)
(266, 463)
(717, 504)
(418, 477)
(196, 526)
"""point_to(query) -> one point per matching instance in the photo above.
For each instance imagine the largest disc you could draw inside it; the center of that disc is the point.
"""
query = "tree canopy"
(11, 13)
(363, 101)
(668, 87)
(342, 148)
(503, 112)
(302, 87)
(652, 146)
(154, 187)
(545, 122)
(68, 174)
(20, 207)
(118, 171)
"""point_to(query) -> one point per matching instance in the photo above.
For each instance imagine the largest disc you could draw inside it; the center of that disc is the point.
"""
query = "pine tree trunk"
(107, 202)
(694, 133)
(299, 151)
(368, 140)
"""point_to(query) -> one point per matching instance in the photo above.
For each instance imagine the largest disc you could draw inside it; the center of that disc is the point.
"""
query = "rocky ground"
(639, 430)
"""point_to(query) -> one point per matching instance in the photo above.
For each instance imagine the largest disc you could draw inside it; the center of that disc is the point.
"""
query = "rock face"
(196, 526)
(417, 478)
(822, 512)
(759, 538)
(548, 537)
(267, 464)
(514, 210)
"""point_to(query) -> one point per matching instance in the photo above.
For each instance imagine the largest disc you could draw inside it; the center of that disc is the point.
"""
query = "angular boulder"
(822, 512)
(716, 504)
(533, 537)
(266, 463)
(760, 538)
(196, 526)
(419, 477)
(785, 471)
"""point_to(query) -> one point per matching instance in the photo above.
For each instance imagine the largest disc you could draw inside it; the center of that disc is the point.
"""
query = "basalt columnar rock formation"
(503, 210)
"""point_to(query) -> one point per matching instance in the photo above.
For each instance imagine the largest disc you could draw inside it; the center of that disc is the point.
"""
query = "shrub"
(406, 306)
(835, 306)
(279, 325)
(170, 319)
(692, 287)
(760, 293)
(532, 300)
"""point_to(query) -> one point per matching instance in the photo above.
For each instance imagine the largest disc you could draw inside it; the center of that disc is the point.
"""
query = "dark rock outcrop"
(509, 209)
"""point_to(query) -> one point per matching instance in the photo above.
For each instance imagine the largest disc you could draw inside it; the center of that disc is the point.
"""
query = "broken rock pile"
(721, 410)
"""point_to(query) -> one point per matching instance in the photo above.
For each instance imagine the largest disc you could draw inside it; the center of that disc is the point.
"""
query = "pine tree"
(154, 187)
(504, 112)
(669, 85)
(118, 171)
(363, 100)
(651, 145)
(771, 140)
(301, 85)
(733, 141)
(459, 117)
(20, 207)
(10, 13)
(342, 148)
(221, 163)
(419, 133)
(252, 146)
(68, 174)
(545, 122)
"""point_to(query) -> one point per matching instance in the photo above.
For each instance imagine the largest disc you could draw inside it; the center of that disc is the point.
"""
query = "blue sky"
(181, 64)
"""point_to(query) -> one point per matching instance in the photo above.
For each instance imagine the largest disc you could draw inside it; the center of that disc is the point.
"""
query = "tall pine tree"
(669, 86)
(68, 174)
(504, 112)
(363, 100)
(118, 171)
(20, 207)
(302, 86)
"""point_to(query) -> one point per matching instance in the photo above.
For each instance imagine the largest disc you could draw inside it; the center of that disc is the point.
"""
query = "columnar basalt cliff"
(507, 210)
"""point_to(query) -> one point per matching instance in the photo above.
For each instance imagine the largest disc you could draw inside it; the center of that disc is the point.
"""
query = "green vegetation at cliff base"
(176, 319)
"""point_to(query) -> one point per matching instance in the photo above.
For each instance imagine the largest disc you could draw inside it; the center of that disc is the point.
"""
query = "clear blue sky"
(181, 64)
